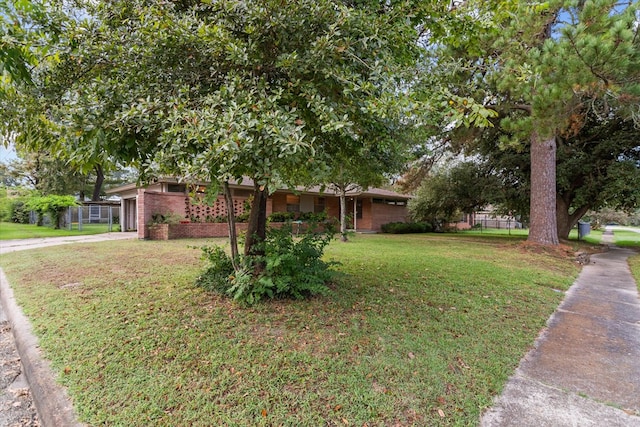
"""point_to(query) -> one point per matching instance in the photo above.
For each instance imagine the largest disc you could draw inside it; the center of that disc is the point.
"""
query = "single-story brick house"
(368, 209)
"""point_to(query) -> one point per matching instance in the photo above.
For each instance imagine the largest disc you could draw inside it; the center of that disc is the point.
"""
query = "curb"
(50, 399)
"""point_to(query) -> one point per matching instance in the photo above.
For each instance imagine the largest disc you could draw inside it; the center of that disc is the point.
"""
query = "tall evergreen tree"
(542, 67)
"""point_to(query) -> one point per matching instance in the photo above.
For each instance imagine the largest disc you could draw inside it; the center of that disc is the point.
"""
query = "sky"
(7, 154)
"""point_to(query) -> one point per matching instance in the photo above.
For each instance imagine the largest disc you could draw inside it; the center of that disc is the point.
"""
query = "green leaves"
(52, 205)
(228, 88)
(292, 268)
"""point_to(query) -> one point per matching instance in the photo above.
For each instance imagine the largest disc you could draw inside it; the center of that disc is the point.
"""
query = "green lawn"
(10, 230)
(634, 264)
(626, 238)
(420, 330)
(593, 238)
(501, 232)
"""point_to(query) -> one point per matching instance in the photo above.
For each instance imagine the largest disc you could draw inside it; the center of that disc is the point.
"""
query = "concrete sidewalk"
(585, 368)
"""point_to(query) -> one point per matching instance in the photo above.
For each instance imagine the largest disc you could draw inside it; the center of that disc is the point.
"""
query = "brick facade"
(279, 202)
(376, 207)
(194, 230)
(152, 202)
(383, 214)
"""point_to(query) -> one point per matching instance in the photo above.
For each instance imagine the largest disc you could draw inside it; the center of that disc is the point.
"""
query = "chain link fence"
(500, 224)
(97, 218)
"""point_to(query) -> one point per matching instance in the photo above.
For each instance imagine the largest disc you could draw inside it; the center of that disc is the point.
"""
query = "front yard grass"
(626, 238)
(593, 238)
(10, 230)
(420, 330)
(634, 264)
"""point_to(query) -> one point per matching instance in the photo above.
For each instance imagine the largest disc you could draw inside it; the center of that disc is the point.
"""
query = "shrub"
(216, 277)
(312, 216)
(290, 267)
(281, 216)
(407, 227)
(170, 218)
(293, 267)
(53, 205)
(5, 204)
(243, 217)
(19, 212)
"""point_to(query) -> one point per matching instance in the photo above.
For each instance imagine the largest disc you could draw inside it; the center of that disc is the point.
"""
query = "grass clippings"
(420, 330)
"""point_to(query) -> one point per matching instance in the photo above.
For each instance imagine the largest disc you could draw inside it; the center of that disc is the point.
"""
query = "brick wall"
(142, 226)
(194, 230)
(157, 231)
(383, 213)
(153, 202)
(279, 202)
(198, 230)
(366, 222)
(332, 206)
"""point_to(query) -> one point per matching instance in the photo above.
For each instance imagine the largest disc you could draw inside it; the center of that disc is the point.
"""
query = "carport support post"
(355, 213)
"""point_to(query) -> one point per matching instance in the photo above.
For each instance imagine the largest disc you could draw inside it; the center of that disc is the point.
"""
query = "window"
(389, 202)
(293, 203)
(319, 205)
(176, 188)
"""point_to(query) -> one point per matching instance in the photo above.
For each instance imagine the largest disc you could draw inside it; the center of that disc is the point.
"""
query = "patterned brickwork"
(199, 212)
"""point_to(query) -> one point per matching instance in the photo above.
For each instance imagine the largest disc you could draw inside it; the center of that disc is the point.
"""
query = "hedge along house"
(141, 207)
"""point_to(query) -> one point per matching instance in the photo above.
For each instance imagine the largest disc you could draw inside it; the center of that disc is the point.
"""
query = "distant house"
(466, 222)
(368, 209)
(489, 218)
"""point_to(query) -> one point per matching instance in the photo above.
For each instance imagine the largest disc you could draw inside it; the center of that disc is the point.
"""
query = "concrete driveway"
(7, 246)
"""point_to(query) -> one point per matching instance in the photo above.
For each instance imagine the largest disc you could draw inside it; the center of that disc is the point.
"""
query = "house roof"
(247, 183)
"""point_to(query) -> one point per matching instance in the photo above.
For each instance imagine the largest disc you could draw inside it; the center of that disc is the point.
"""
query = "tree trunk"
(567, 221)
(544, 226)
(98, 185)
(343, 215)
(257, 228)
(231, 221)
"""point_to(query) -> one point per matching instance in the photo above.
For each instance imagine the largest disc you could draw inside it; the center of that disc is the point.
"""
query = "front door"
(130, 222)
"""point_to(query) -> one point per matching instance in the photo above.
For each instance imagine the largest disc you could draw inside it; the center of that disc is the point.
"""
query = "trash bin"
(584, 228)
